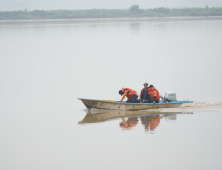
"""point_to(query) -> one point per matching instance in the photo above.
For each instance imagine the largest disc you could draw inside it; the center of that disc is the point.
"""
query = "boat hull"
(100, 104)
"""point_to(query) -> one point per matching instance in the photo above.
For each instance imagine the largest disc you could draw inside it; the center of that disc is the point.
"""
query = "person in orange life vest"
(145, 94)
(154, 95)
(130, 94)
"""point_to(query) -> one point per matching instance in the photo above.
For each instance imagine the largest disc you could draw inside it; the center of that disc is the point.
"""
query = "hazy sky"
(102, 4)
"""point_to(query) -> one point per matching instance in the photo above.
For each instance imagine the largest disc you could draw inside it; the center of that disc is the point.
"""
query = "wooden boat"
(116, 105)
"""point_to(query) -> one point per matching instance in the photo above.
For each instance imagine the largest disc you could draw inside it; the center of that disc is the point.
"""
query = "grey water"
(46, 65)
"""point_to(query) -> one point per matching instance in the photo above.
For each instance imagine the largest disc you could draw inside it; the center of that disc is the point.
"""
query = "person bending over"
(130, 94)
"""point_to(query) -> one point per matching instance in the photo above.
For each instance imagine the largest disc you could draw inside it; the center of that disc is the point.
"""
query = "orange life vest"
(154, 92)
(130, 93)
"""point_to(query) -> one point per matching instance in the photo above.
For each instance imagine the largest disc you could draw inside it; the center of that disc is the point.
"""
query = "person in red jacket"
(130, 94)
(154, 95)
(145, 94)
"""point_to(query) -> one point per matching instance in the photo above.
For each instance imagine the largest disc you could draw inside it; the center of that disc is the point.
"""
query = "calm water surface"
(45, 66)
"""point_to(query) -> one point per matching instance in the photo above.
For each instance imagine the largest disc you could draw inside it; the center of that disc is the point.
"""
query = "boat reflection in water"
(149, 119)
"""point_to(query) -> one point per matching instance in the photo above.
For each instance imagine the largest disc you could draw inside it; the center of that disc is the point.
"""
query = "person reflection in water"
(130, 123)
(149, 122)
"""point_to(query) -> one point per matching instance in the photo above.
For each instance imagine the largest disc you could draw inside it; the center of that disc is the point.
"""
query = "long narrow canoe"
(116, 105)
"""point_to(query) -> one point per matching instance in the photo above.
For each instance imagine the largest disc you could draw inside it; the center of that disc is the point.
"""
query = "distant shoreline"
(110, 19)
(134, 12)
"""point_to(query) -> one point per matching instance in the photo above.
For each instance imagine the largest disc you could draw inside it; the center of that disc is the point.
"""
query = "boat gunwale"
(117, 102)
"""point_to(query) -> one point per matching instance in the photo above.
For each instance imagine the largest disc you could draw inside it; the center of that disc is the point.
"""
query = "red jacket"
(129, 93)
(143, 91)
(154, 93)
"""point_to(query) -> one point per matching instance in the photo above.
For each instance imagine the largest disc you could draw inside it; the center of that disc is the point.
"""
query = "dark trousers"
(146, 99)
(134, 99)
(151, 101)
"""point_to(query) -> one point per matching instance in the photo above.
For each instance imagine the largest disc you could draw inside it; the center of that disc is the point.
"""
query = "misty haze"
(10, 5)
(110, 85)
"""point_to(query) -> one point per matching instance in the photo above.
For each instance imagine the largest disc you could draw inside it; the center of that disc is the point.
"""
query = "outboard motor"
(170, 96)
